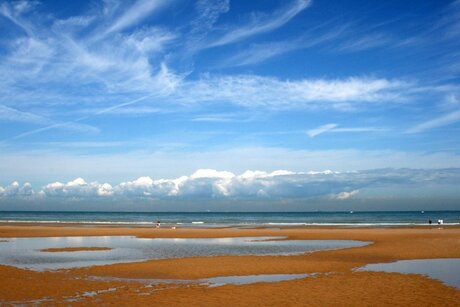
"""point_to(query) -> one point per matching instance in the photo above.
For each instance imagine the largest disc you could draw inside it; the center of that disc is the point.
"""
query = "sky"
(230, 105)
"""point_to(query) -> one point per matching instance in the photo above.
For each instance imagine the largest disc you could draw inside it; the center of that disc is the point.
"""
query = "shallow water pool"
(212, 281)
(446, 270)
(250, 279)
(25, 252)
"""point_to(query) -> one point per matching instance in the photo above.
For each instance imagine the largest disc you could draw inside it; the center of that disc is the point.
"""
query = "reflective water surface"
(445, 270)
(213, 281)
(25, 252)
(250, 279)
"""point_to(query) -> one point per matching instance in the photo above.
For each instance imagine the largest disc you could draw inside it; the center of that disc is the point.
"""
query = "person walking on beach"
(158, 224)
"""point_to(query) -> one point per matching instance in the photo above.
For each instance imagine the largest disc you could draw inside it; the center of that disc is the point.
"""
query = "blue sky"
(111, 102)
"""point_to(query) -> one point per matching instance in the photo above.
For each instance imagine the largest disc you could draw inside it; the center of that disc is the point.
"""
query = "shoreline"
(74, 249)
(354, 219)
(336, 281)
(149, 225)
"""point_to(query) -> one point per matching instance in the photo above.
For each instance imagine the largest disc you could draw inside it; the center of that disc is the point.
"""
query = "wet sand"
(336, 284)
(74, 249)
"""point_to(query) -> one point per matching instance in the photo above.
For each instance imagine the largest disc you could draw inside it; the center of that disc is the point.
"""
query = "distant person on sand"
(158, 224)
(429, 222)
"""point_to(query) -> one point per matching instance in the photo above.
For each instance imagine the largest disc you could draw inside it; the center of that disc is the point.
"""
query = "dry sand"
(337, 285)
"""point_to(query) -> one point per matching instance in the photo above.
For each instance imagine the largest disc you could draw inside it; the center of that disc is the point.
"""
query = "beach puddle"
(445, 270)
(212, 281)
(25, 252)
(251, 279)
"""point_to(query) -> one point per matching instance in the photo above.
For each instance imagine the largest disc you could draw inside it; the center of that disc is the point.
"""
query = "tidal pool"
(251, 279)
(446, 270)
(212, 281)
(25, 252)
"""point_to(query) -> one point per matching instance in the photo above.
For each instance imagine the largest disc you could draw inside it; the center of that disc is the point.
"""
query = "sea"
(238, 219)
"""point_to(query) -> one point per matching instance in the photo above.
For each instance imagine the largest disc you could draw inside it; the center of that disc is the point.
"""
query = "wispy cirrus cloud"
(260, 52)
(343, 38)
(328, 128)
(134, 15)
(262, 23)
(131, 63)
(76, 123)
(207, 14)
(366, 42)
(320, 130)
(11, 114)
(69, 48)
(449, 22)
(14, 115)
(444, 120)
(117, 58)
(257, 91)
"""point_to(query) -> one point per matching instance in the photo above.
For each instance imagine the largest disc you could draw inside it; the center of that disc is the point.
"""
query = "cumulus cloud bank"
(15, 189)
(77, 188)
(214, 184)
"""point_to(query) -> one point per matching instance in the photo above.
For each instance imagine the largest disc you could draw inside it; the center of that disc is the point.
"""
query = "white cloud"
(207, 14)
(202, 183)
(257, 53)
(15, 190)
(135, 14)
(320, 130)
(261, 52)
(211, 173)
(169, 162)
(131, 67)
(134, 64)
(10, 114)
(451, 101)
(262, 24)
(47, 56)
(77, 188)
(257, 91)
(366, 42)
(104, 189)
(328, 128)
(214, 184)
(441, 121)
(345, 195)
(358, 129)
(14, 12)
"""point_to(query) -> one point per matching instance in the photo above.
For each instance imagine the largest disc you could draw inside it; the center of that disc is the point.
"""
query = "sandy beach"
(335, 281)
